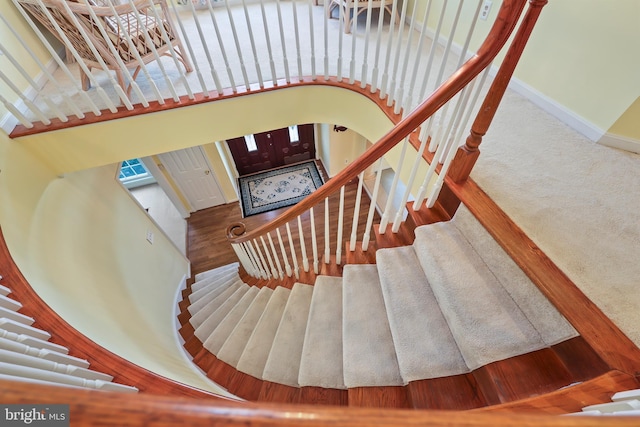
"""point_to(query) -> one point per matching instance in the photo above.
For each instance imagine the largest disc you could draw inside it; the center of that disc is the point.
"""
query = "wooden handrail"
(468, 154)
(87, 407)
(502, 28)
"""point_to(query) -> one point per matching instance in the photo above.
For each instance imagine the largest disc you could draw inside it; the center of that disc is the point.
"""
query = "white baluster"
(254, 262)
(367, 35)
(272, 267)
(303, 247)
(61, 65)
(207, 52)
(405, 197)
(272, 65)
(256, 259)
(296, 269)
(340, 227)
(312, 41)
(16, 113)
(442, 114)
(242, 257)
(297, 37)
(314, 241)
(341, 25)
(398, 48)
(37, 111)
(386, 215)
(356, 214)
(400, 94)
(187, 42)
(376, 62)
(284, 46)
(151, 45)
(253, 45)
(408, 105)
(29, 361)
(327, 241)
(326, 39)
(238, 46)
(172, 51)
(132, 48)
(354, 28)
(77, 57)
(31, 82)
(432, 53)
(18, 347)
(275, 257)
(385, 74)
(287, 266)
(372, 208)
(223, 51)
(99, 23)
(266, 269)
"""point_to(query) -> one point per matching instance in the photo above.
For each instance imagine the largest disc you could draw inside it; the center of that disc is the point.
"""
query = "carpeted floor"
(278, 188)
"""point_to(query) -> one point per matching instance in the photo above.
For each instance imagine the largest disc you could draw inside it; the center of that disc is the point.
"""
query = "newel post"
(468, 154)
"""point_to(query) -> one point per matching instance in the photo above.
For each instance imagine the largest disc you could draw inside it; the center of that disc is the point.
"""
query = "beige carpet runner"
(448, 304)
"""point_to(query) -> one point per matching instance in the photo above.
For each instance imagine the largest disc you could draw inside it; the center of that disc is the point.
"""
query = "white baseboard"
(620, 142)
(557, 110)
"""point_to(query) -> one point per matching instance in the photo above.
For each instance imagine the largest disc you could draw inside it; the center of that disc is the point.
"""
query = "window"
(294, 138)
(251, 143)
(133, 173)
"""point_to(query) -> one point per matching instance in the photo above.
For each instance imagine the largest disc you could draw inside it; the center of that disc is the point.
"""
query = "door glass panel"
(294, 138)
(251, 143)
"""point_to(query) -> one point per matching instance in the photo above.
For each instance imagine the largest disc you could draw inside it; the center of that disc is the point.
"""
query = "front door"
(269, 150)
(191, 172)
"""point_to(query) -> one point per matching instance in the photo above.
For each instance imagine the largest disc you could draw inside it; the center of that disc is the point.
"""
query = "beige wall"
(582, 55)
(628, 125)
(80, 240)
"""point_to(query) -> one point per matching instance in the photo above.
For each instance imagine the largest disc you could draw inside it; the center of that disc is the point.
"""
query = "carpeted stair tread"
(254, 357)
(213, 320)
(369, 357)
(424, 345)
(283, 363)
(233, 347)
(486, 323)
(202, 308)
(220, 334)
(234, 266)
(547, 320)
(212, 283)
(321, 362)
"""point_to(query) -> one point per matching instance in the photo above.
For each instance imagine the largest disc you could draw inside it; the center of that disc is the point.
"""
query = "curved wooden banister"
(502, 28)
(62, 333)
(88, 407)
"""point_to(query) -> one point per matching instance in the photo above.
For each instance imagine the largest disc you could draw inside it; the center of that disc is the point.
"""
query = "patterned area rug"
(278, 188)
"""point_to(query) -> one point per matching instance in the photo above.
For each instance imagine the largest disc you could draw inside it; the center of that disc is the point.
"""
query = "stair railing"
(233, 49)
(250, 245)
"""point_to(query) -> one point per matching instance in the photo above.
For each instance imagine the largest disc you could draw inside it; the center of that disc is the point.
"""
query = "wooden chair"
(114, 26)
(360, 6)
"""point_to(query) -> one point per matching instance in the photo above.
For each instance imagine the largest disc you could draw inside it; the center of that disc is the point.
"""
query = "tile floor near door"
(164, 213)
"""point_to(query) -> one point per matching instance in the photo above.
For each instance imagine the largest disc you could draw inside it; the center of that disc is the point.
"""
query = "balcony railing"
(231, 47)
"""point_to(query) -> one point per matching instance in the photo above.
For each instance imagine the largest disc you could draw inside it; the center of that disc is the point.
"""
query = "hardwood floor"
(207, 245)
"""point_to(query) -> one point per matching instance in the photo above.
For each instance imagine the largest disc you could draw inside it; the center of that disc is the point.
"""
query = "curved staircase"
(443, 307)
